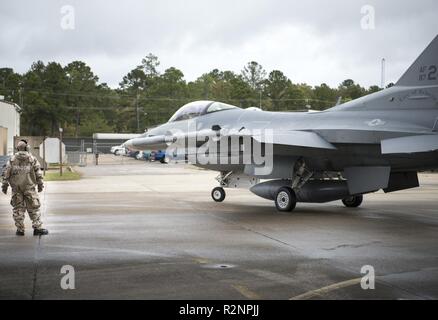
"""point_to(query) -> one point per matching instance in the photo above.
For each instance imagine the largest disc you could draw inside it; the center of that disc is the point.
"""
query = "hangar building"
(9, 126)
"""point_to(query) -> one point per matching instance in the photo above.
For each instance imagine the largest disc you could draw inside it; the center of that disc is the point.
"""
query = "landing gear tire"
(353, 201)
(285, 200)
(218, 194)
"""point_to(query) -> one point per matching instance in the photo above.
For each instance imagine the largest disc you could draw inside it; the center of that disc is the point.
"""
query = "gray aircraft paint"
(395, 129)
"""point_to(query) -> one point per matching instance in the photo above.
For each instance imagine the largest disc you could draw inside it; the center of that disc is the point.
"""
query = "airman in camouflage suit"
(23, 174)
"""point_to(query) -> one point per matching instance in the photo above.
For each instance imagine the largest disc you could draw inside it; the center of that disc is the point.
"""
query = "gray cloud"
(311, 41)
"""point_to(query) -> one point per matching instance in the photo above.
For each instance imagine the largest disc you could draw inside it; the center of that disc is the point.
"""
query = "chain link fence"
(76, 158)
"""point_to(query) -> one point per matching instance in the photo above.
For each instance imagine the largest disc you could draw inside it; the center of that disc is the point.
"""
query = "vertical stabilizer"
(424, 71)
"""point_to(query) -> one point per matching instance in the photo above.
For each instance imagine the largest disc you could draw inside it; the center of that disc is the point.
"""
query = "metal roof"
(16, 106)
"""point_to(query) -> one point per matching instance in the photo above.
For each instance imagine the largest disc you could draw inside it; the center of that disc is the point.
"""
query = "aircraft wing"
(290, 138)
(410, 144)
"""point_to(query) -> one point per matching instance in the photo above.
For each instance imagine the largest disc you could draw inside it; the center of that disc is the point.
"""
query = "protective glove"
(5, 188)
(40, 187)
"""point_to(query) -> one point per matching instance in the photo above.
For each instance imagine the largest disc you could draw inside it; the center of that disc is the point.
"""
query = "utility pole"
(146, 121)
(260, 99)
(78, 119)
(20, 95)
(138, 115)
(382, 84)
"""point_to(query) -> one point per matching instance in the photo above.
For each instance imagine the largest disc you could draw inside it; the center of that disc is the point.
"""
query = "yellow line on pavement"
(202, 260)
(246, 292)
(327, 289)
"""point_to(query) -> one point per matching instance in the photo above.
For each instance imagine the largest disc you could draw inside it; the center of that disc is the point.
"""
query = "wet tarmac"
(142, 230)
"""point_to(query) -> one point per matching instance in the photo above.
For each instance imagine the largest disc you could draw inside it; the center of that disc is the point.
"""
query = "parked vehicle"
(146, 155)
(139, 155)
(158, 156)
(132, 153)
(118, 150)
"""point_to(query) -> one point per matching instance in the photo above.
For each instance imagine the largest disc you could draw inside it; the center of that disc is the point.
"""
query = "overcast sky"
(310, 41)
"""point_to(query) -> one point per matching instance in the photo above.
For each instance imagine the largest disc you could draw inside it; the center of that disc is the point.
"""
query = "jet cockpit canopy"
(198, 108)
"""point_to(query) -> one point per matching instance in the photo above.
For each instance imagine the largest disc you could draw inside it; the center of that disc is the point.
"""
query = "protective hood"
(22, 155)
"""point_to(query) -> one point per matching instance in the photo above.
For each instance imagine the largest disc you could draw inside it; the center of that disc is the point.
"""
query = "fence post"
(60, 151)
(44, 156)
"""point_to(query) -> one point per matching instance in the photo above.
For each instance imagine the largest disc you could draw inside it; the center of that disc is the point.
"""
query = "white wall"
(10, 118)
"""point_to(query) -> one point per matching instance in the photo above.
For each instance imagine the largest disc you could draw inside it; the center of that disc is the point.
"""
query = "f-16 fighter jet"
(380, 141)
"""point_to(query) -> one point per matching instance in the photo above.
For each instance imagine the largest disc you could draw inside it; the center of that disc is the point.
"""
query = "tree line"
(71, 96)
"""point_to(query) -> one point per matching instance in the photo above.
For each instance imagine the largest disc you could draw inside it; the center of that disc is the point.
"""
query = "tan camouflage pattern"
(22, 201)
(23, 173)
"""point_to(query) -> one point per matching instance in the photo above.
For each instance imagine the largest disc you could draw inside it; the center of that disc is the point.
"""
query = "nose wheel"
(285, 200)
(218, 194)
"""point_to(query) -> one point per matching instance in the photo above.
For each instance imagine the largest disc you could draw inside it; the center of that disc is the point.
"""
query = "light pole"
(60, 151)
(382, 84)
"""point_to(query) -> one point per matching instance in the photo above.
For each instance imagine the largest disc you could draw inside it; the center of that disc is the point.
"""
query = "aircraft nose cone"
(128, 144)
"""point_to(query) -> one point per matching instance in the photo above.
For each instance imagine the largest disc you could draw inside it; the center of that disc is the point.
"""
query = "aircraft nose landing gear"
(231, 180)
(218, 194)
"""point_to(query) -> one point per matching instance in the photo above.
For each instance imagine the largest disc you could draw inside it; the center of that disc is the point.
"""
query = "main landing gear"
(285, 200)
(353, 201)
(286, 193)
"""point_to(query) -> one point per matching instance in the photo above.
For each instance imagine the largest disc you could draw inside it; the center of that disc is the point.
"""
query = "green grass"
(66, 176)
